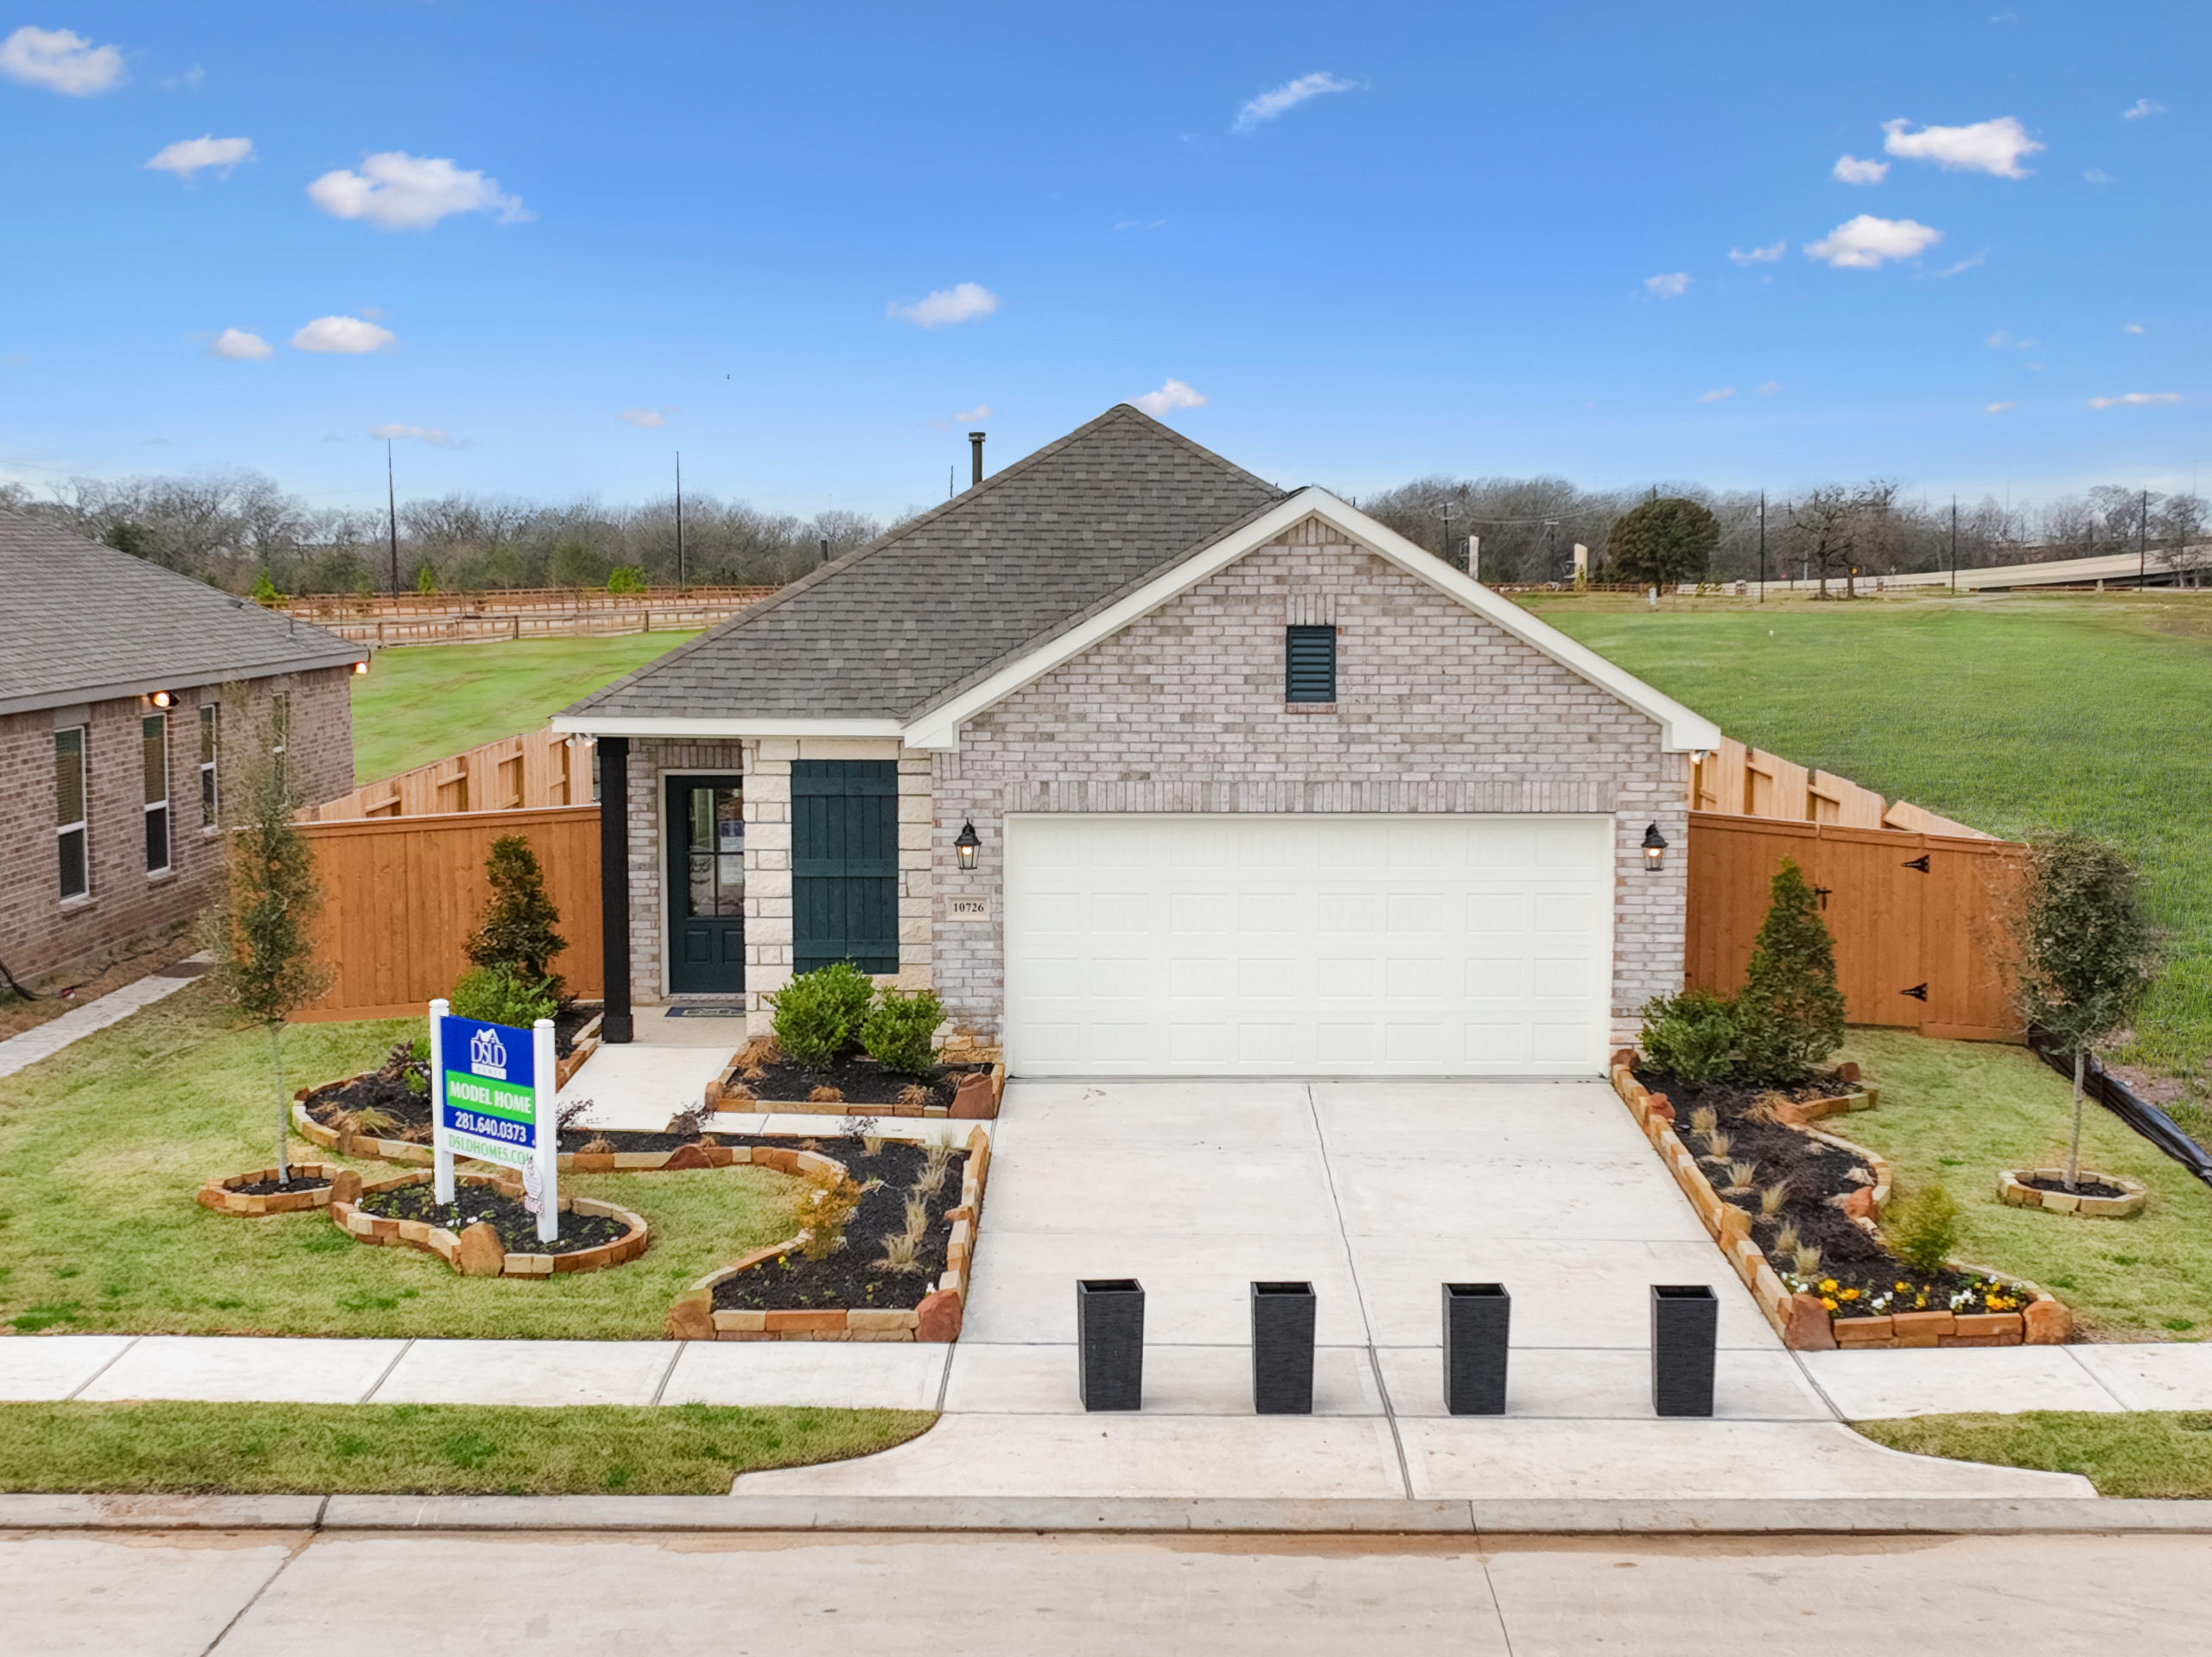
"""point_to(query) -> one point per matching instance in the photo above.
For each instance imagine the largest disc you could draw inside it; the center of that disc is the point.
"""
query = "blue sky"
(1377, 241)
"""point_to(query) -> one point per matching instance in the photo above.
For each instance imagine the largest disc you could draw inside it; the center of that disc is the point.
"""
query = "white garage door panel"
(1281, 946)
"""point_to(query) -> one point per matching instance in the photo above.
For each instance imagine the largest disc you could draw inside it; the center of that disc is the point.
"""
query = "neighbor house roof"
(81, 622)
(940, 601)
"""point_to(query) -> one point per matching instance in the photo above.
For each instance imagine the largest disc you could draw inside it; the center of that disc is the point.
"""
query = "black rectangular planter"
(1685, 1326)
(1283, 1349)
(1109, 1343)
(1477, 1318)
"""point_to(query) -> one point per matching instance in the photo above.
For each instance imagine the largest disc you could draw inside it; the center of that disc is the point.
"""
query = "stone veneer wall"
(1438, 711)
(765, 766)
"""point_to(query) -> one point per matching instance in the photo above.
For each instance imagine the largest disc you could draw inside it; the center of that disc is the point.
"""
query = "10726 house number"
(967, 909)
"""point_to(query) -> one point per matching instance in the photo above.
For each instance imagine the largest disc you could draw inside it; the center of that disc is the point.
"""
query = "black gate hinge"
(1822, 893)
(1919, 862)
(1918, 992)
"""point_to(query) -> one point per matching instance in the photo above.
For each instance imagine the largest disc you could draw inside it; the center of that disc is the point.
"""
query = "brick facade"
(39, 933)
(1439, 710)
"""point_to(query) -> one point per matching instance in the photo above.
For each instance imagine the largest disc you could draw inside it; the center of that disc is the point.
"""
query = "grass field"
(2014, 715)
(2163, 1453)
(1954, 1113)
(425, 701)
(425, 1449)
(102, 1147)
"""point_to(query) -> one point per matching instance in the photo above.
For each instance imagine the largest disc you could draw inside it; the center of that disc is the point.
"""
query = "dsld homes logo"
(487, 1054)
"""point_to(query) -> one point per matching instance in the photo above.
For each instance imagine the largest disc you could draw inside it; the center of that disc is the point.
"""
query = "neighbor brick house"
(1149, 766)
(113, 737)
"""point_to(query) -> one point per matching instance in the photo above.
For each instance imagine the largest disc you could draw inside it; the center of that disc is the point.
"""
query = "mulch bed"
(2084, 1187)
(516, 1225)
(271, 1187)
(1855, 1275)
(850, 1279)
(859, 1078)
(569, 1020)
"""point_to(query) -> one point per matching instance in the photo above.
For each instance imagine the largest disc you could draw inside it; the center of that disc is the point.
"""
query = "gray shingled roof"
(940, 602)
(82, 622)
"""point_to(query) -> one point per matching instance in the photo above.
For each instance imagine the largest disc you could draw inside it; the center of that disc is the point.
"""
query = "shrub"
(1790, 1017)
(630, 578)
(517, 930)
(822, 1211)
(819, 1013)
(501, 995)
(1663, 540)
(1692, 1036)
(901, 1033)
(1923, 1228)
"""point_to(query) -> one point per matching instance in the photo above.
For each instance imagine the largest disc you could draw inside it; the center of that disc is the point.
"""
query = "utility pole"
(2143, 543)
(1550, 567)
(391, 508)
(1955, 543)
(1762, 546)
(680, 581)
(1448, 513)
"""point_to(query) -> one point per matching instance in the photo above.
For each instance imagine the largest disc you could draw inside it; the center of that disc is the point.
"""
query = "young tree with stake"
(260, 928)
(2084, 953)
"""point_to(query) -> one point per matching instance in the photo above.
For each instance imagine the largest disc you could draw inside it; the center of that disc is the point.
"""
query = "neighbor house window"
(280, 722)
(153, 744)
(69, 812)
(211, 733)
(1309, 665)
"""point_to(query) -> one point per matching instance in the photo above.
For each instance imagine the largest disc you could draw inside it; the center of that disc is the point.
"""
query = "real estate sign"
(491, 1087)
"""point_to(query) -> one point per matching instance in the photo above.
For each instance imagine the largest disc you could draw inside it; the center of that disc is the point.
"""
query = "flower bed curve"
(478, 1249)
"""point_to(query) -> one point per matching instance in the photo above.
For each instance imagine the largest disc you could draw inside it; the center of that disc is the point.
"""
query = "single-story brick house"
(1152, 767)
(112, 672)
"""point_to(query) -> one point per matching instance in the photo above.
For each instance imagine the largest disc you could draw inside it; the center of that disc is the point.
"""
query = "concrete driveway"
(1376, 1192)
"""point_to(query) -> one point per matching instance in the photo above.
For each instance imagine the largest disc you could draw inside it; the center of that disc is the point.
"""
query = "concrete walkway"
(43, 1041)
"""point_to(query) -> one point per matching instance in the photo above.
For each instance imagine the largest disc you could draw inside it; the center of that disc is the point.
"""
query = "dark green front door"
(845, 864)
(705, 886)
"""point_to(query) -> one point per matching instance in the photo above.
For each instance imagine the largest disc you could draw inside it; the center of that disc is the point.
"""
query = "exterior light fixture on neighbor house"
(361, 666)
(161, 699)
(966, 846)
(1655, 848)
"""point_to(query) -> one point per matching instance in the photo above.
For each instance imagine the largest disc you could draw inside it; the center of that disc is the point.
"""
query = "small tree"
(2084, 953)
(629, 578)
(1664, 542)
(260, 928)
(426, 580)
(1789, 1016)
(517, 930)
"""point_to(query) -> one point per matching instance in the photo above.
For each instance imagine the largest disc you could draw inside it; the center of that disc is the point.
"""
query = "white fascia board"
(720, 729)
(1682, 730)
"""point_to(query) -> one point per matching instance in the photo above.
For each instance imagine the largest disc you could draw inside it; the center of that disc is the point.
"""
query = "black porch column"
(614, 885)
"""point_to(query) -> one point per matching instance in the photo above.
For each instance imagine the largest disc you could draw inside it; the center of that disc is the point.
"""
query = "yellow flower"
(1851, 1294)
(1828, 1285)
(1828, 1301)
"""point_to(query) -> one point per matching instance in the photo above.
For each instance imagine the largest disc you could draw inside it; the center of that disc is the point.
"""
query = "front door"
(705, 881)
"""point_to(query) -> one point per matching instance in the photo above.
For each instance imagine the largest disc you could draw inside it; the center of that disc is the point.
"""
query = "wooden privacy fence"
(402, 895)
(1918, 919)
(540, 768)
(1748, 781)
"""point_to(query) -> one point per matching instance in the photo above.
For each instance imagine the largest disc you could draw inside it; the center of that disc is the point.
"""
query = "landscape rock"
(692, 1318)
(345, 1186)
(2047, 1323)
(689, 1155)
(973, 1100)
(1809, 1328)
(938, 1318)
(481, 1254)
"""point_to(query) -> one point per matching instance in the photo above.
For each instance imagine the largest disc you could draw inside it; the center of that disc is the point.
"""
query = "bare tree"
(1818, 533)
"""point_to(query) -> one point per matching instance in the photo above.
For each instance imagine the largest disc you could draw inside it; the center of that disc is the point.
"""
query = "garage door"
(1225, 945)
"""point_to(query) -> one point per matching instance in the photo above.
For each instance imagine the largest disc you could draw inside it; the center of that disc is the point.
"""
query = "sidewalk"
(20, 1051)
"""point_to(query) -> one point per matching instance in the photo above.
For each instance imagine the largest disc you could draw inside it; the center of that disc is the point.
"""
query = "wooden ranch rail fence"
(323, 608)
(402, 895)
(516, 773)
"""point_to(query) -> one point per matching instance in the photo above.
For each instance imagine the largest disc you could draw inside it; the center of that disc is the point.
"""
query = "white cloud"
(239, 347)
(1720, 395)
(1169, 397)
(1769, 388)
(190, 81)
(962, 302)
(644, 419)
(1862, 243)
(61, 61)
(1984, 147)
(2096, 175)
(396, 191)
(1139, 224)
(1852, 171)
(2141, 109)
(188, 156)
(961, 417)
(345, 336)
(433, 435)
(1288, 96)
(2133, 327)
(2135, 400)
(1671, 285)
(1999, 407)
(1766, 255)
(1981, 257)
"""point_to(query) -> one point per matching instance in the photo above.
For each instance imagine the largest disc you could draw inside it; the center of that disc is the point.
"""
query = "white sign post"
(492, 1096)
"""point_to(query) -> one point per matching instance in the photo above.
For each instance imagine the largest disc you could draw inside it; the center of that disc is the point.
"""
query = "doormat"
(709, 1010)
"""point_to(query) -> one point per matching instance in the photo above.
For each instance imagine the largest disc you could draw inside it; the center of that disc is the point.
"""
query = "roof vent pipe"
(825, 548)
(975, 447)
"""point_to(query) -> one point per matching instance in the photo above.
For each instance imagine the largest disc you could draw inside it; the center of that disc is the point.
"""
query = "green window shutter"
(845, 864)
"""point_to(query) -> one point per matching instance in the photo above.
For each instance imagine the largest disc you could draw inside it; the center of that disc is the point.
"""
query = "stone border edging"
(2014, 1191)
(1504, 1516)
(694, 1317)
(460, 1253)
(216, 1192)
(716, 1099)
(1803, 1324)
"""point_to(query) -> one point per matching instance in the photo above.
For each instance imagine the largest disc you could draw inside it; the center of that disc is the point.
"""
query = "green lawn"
(422, 702)
(1955, 1112)
(102, 1147)
(425, 1449)
(2013, 714)
(2146, 1454)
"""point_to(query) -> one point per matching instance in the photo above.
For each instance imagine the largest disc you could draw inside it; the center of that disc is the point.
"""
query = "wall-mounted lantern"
(1655, 848)
(966, 846)
(161, 699)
